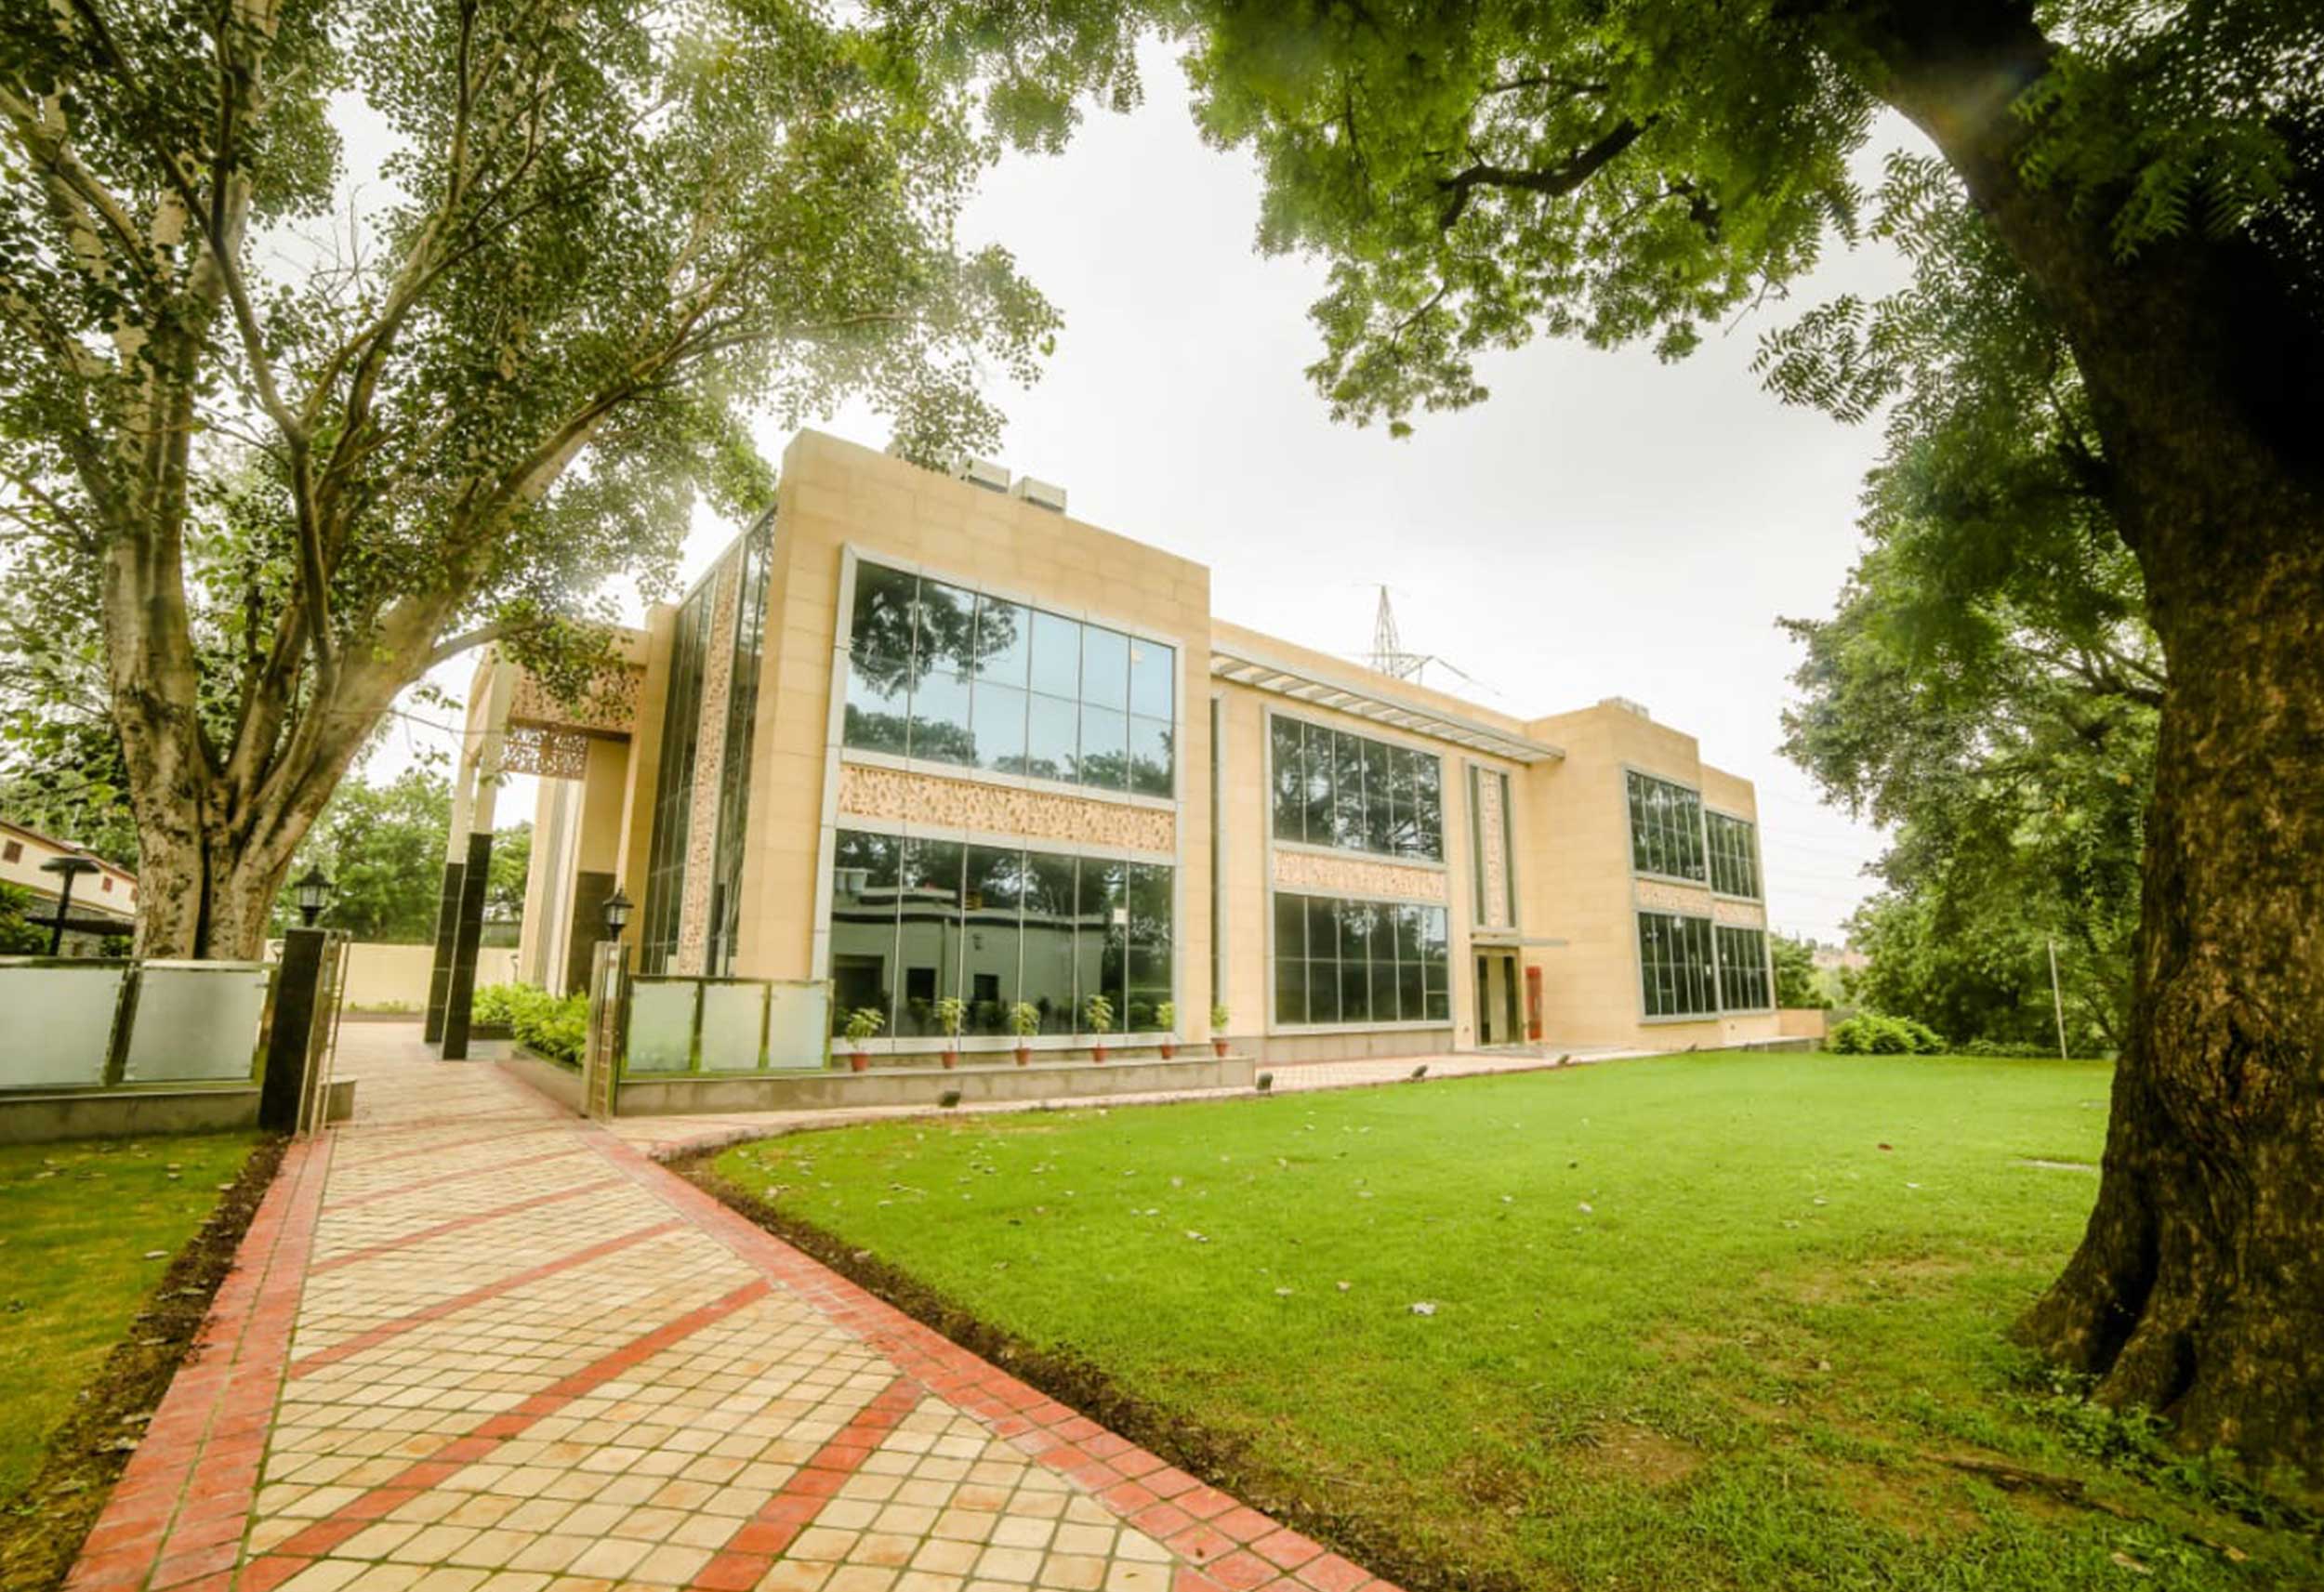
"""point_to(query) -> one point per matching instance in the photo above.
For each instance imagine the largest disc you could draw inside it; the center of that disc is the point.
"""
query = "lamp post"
(617, 911)
(312, 891)
(68, 867)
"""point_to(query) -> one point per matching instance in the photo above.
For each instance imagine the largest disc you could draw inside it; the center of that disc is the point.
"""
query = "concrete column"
(291, 1041)
(467, 853)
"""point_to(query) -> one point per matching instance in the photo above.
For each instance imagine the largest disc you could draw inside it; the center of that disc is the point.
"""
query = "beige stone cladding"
(948, 802)
(835, 496)
(1582, 895)
(642, 779)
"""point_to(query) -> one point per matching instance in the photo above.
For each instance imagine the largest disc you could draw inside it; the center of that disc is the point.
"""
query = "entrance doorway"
(1496, 992)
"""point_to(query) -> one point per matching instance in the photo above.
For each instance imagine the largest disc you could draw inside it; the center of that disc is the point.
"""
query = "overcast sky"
(1605, 525)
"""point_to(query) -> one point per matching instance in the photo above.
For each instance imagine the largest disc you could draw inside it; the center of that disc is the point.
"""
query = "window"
(1734, 855)
(13, 852)
(1359, 961)
(1666, 828)
(1675, 965)
(915, 921)
(1743, 984)
(942, 674)
(1355, 793)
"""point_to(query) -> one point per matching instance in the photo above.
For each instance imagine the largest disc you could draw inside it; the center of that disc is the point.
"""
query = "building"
(930, 738)
(104, 899)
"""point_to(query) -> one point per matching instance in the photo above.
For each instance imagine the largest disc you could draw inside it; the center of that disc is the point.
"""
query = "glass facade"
(1666, 828)
(681, 740)
(915, 921)
(1743, 982)
(1734, 855)
(1676, 966)
(1360, 961)
(1355, 793)
(942, 674)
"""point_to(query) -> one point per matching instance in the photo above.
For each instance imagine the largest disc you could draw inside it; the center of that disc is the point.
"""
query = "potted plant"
(862, 1024)
(1098, 1012)
(1024, 1022)
(1165, 1018)
(950, 1013)
(1218, 1029)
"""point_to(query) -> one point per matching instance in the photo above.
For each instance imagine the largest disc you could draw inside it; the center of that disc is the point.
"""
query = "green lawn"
(86, 1230)
(1700, 1322)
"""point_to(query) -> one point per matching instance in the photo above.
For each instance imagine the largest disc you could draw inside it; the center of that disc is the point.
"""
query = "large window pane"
(940, 719)
(864, 871)
(993, 903)
(1675, 965)
(1428, 805)
(1347, 791)
(1290, 990)
(1152, 678)
(1290, 927)
(997, 714)
(1378, 837)
(947, 627)
(1052, 737)
(1323, 992)
(1403, 835)
(1104, 667)
(1104, 759)
(1056, 655)
(1098, 948)
(1317, 760)
(878, 701)
(1411, 993)
(880, 631)
(1355, 992)
(1291, 778)
(929, 938)
(1048, 939)
(1666, 828)
(1004, 641)
(1150, 757)
(1152, 911)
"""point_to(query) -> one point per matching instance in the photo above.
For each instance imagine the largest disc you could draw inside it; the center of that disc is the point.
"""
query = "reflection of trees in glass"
(905, 626)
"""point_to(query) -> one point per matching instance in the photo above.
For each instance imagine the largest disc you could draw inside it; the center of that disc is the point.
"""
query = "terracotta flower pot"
(1097, 1054)
(1218, 1047)
(952, 1059)
(1168, 1049)
(858, 1061)
(1024, 1054)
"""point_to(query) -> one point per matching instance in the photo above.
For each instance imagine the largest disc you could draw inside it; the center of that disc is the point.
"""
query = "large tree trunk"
(2198, 1288)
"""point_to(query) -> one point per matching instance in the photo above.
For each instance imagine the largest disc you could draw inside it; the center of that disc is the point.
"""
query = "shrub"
(1869, 1033)
(555, 1028)
(2011, 1049)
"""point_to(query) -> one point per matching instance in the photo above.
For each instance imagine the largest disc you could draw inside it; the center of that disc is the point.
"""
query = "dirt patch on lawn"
(41, 1531)
(1641, 1454)
(1384, 1541)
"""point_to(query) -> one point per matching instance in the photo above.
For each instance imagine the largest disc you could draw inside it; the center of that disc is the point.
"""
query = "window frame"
(1630, 773)
(1746, 859)
(1382, 924)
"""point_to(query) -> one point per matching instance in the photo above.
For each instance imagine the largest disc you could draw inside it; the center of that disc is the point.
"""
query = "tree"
(382, 848)
(510, 871)
(18, 938)
(1796, 981)
(2150, 182)
(294, 438)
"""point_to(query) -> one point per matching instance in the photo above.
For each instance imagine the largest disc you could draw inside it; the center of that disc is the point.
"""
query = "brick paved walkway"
(472, 1342)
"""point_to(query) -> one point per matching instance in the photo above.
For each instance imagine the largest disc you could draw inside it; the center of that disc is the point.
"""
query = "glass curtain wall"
(944, 674)
(1676, 967)
(1340, 961)
(1666, 828)
(1744, 984)
(742, 716)
(674, 783)
(1355, 793)
(915, 921)
(1734, 855)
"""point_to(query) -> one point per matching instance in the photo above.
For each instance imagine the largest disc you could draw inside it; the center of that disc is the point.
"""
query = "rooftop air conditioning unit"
(1040, 494)
(1627, 705)
(980, 472)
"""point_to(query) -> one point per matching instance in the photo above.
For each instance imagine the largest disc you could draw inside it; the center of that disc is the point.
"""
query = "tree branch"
(1562, 179)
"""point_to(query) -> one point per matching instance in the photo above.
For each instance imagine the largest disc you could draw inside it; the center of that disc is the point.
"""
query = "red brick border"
(1239, 1550)
(178, 1515)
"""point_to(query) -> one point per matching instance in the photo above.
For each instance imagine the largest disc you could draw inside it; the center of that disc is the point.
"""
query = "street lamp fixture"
(617, 908)
(312, 889)
(67, 867)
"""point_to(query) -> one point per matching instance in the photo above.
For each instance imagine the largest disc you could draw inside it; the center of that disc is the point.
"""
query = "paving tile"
(472, 1344)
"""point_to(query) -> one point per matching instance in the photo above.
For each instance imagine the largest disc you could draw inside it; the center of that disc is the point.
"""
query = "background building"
(929, 737)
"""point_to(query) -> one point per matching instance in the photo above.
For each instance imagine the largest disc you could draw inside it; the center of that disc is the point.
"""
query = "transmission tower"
(1388, 654)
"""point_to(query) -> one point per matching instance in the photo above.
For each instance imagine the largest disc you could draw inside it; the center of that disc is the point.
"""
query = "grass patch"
(1700, 1322)
(110, 1251)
